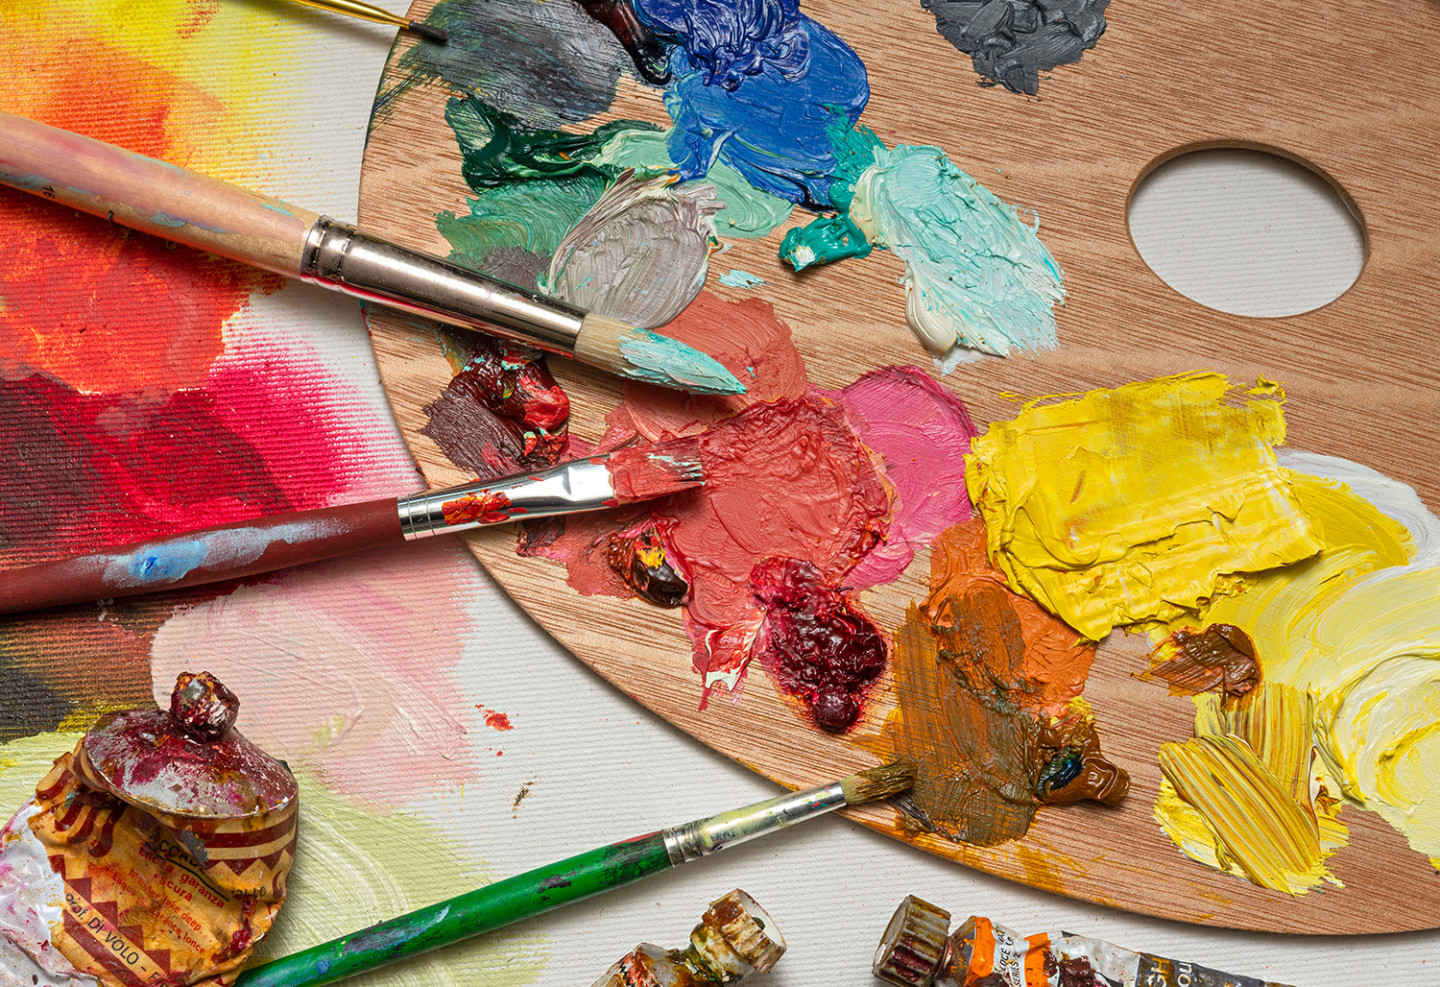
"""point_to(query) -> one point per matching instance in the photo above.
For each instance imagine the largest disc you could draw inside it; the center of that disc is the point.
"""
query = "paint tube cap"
(736, 938)
(914, 945)
(187, 761)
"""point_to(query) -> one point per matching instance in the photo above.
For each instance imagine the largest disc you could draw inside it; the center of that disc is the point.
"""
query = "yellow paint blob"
(1139, 503)
(1233, 814)
(1256, 828)
(1349, 645)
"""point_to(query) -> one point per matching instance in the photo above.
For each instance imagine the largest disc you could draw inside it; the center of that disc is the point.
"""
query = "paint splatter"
(1013, 41)
(735, 278)
(728, 41)
(494, 719)
(1157, 497)
(640, 254)
(642, 559)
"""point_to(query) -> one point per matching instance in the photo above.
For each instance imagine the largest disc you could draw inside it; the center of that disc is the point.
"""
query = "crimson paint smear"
(815, 642)
(494, 719)
(503, 413)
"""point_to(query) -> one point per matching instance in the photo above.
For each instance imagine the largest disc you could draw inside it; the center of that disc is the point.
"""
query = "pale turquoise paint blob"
(976, 274)
(658, 359)
(735, 278)
(747, 212)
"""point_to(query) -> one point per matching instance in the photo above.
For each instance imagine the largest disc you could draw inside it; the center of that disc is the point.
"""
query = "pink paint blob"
(923, 434)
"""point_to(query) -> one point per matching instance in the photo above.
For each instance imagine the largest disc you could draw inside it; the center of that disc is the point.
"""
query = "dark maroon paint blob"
(814, 642)
(503, 413)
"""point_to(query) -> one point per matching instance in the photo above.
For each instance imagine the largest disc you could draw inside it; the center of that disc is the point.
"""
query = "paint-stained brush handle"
(152, 196)
(195, 557)
(224, 219)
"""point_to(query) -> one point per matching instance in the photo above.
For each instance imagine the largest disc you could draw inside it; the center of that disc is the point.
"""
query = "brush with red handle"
(245, 548)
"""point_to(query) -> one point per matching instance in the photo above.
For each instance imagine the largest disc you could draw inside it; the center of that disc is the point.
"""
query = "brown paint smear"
(984, 684)
(1220, 659)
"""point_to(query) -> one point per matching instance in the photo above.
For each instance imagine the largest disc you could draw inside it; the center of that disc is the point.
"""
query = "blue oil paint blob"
(764, 111)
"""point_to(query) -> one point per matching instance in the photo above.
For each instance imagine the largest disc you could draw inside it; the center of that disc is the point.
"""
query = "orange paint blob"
(1056, 662)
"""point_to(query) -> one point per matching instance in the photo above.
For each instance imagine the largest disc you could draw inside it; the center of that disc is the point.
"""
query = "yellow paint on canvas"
(225, 71)
(1140, 503)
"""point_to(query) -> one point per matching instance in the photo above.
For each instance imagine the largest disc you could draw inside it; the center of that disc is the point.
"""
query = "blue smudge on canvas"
(164, 563)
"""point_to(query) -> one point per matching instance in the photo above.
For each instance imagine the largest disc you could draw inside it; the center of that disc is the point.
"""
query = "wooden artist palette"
(1343, 90)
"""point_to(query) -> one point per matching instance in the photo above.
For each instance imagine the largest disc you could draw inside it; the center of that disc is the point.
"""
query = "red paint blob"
(745, 337)
(815, 642)
(495, 720)
(787, 479)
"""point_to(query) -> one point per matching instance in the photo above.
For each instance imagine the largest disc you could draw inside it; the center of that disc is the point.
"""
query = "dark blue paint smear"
(730, 39)
(772, 127)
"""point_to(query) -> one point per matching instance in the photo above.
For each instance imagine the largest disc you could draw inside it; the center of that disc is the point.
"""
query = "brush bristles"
(878, 783)
(683, 456)
(426, 31)
(643, 355)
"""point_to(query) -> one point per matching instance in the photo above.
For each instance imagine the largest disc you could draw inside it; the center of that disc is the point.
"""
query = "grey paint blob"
(1012, 41)
(544, 63)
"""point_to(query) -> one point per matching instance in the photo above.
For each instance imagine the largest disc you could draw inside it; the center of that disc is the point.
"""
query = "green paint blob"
(748, 212)
(823, 240)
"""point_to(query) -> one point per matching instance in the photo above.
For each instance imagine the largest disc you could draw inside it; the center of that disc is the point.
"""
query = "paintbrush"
(566, 881)
(208, 214)
(370, 12)
(624, 476)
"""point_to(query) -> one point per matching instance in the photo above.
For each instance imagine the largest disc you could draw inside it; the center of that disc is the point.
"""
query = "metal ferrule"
(583, 485)
(339, 256)
(705, 836)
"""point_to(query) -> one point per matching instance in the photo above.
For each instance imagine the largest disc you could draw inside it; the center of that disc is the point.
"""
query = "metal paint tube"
(735, 938)
(918, 951)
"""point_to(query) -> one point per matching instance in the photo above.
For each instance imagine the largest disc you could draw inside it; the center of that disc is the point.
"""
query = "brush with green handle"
(566, 881)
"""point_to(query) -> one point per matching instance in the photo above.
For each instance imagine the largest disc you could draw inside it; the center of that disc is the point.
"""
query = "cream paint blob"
(361, 688)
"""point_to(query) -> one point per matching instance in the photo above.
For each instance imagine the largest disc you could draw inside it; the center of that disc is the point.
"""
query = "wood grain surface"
(1355, 102)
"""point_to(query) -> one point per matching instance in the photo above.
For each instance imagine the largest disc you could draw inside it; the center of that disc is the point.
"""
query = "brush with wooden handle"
(245, 548)
(224, 219)
(370, 12)
(567, 881)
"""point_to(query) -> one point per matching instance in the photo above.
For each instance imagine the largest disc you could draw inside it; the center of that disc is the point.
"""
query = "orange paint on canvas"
(130, 312)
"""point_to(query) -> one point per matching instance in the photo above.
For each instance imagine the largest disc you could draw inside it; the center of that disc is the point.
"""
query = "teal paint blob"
(976, 274)
(658, 359)
(734, 278)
